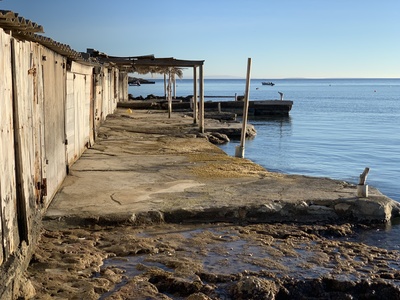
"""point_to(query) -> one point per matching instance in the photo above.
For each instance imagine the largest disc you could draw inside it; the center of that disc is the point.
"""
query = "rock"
(26, 289)
(373, 210)
(150, 217)
(221, 136)
(198, 296)
(251, 287)
(214, 137)
(251, 131)
(329, 288)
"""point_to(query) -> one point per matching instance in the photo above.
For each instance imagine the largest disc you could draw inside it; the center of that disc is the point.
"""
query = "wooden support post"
(201, 108)
(239, 151)
(195, 116)
(174, 86)
(169, 89)
(165, 86)
(362, 188)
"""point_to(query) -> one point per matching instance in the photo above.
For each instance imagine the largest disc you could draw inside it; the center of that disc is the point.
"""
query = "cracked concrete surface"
(145, 162)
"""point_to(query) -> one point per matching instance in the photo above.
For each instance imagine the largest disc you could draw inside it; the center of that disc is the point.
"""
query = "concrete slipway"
(146, 167)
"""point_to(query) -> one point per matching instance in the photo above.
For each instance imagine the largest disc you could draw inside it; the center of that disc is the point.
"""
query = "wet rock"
(175, 285)
(137, 288)
(329, 288)
(217, 278)
(218, 261)
(254, 288)
(198, 296)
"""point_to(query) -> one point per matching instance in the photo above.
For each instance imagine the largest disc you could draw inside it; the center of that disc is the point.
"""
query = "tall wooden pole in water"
(239, 150)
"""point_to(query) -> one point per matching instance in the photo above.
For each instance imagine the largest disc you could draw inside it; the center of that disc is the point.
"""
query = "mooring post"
(362, 188)
(219, 107)
(239, 150)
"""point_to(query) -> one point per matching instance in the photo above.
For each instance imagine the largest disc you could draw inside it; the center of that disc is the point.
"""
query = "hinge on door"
(66, 142)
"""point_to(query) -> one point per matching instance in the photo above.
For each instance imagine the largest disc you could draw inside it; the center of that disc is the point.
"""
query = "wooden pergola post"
(165, 86)
(135, 63)
(174, 86)
(195, 117)
(201, 127)
(169, 94)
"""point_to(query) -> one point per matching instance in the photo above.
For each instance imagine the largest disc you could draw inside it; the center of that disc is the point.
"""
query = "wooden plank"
(8, 205)
(106, 93)
(78, 68)
(70, 115)
(40, 152)
(98, 101)
(23, 78)
(54, 90)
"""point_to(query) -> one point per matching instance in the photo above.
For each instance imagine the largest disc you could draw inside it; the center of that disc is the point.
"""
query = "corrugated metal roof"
(60, 48)
(11, 21)
(26, 30)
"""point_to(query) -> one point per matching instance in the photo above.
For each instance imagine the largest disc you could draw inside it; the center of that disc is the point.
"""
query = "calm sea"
(336, 127)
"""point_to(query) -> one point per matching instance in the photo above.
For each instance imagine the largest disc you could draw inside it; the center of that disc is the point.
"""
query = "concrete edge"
(362, 211)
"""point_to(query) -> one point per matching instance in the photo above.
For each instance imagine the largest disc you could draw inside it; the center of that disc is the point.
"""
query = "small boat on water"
(268, 83)
(134, 83)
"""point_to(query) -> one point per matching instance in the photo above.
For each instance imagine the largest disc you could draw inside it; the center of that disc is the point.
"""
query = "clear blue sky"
(284, 38)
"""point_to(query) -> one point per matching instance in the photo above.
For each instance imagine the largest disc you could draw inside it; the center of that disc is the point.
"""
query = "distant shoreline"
(289, 78)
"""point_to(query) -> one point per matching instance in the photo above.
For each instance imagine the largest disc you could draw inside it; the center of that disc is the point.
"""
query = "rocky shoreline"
(155, 211)
(211, 261)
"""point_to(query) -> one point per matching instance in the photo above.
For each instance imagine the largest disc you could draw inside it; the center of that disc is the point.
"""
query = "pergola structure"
(134, 63)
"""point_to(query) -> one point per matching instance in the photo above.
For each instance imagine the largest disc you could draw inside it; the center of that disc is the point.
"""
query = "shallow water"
(274, 251)
(336, 127)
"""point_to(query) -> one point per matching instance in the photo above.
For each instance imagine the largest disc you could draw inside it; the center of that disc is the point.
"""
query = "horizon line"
(281, 78)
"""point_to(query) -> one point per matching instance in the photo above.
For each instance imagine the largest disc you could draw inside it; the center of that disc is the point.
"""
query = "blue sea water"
(336, 127)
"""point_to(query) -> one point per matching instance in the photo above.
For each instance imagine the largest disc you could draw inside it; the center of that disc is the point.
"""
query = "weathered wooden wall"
(50, 108)
(79, 123)
(123, 87)
(8, 202)
(28, 131)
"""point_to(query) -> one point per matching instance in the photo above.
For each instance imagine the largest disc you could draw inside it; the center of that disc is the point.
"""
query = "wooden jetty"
(256, 108)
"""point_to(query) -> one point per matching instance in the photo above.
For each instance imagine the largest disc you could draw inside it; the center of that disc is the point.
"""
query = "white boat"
(268, 83)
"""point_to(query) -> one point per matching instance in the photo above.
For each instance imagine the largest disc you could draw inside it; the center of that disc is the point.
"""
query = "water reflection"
(271, 143)
(275, 126)
(383, 235)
